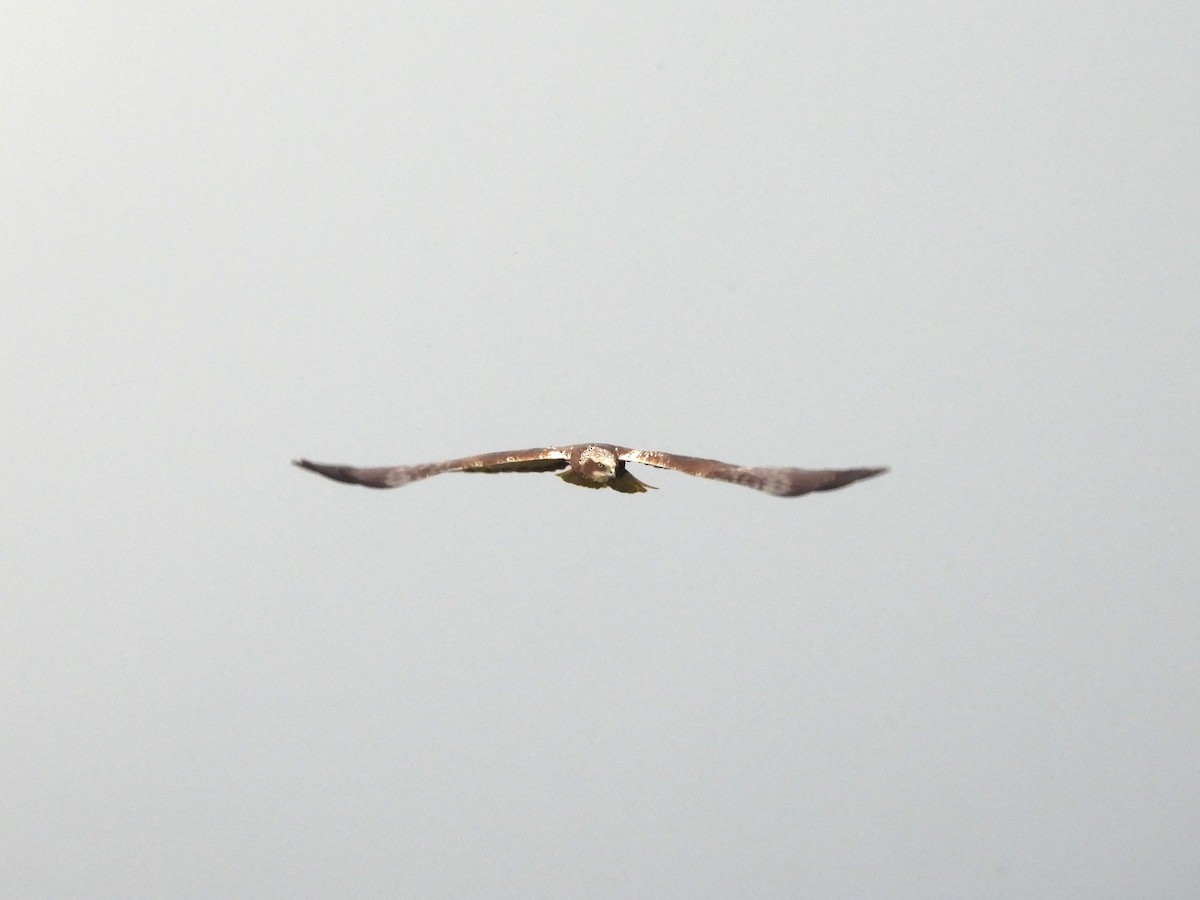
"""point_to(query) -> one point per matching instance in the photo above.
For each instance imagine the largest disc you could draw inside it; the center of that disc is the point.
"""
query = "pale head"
(596, 463)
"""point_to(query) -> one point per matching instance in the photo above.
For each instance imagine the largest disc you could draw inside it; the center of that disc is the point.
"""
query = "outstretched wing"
(782, 482)
(538, 459)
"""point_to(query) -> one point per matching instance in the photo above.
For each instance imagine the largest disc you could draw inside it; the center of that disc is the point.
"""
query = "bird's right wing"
(538, 459)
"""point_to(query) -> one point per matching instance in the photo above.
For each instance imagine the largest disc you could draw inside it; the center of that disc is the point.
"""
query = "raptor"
(601, 466)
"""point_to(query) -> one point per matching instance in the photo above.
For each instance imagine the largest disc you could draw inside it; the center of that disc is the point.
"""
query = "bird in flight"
(601, 466)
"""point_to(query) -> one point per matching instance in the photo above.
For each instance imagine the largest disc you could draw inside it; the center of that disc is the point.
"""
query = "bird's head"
(597, 464)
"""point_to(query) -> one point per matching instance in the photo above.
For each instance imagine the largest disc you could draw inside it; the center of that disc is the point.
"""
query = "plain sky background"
(960, 239)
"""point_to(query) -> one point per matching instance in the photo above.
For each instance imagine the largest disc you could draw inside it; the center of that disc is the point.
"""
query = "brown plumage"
(601, 466)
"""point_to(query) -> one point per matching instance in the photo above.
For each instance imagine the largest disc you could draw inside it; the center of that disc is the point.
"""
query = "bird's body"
(601, 466)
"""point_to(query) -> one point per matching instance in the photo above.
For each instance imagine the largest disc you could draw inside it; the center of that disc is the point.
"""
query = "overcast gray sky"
(957, 239)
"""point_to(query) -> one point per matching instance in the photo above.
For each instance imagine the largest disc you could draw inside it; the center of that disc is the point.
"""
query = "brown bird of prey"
(601, 466)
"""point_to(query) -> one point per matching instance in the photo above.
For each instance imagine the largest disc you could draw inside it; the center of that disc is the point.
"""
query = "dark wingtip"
(854, 475)
(840, 478)
(337, 473)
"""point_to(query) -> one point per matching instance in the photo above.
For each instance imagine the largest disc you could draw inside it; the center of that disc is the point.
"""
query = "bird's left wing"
(538, 459)
(782, 482)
